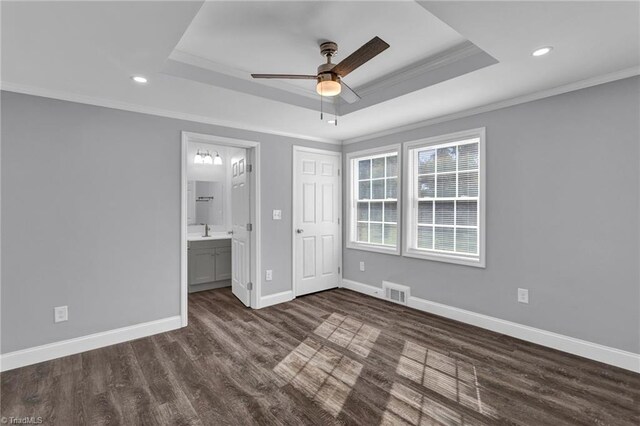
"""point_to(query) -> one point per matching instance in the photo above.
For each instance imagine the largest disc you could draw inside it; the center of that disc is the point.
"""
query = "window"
(374, 214)
(445, 195)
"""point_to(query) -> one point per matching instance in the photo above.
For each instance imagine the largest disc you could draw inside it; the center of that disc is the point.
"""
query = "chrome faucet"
(207, 228)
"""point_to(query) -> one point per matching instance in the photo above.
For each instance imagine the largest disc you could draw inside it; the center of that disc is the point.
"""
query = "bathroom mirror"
(205, 203)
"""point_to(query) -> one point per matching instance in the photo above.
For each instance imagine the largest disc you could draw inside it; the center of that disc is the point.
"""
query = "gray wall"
(91, 206)
(91, 216)
(563, 213)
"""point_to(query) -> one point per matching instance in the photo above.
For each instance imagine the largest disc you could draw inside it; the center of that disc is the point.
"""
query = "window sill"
(374, 248)
(446, 258)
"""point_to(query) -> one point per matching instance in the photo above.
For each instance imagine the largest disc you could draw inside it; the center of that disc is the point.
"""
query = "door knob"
(299, 231)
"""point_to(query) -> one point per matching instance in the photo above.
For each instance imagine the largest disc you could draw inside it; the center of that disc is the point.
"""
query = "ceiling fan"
(329, 76)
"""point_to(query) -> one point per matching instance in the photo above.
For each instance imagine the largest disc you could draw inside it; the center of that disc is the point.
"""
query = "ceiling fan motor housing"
(326, 69)
(328, 48)
(328, 76)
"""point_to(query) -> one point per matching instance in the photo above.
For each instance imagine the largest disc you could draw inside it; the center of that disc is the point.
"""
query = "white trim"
(294, 179)
(50, 351)
(143, 109)
(408, 230)
(367, 289)
(317, 151)
(274, 299)
(583, 348)
(184, 225)
(109, 103)
(571, 87)
(256, 240)
(594, 351)
(351, 207)
(448, 57)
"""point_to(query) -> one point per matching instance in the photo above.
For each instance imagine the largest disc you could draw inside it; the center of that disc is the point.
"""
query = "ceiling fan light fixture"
(328, 85)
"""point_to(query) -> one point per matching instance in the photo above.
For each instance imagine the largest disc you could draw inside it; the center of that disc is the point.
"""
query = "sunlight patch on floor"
(454, 379)
(349, 333)
(406, 406)
(321, 373)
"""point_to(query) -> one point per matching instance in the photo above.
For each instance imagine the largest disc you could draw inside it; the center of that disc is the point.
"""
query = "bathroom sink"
(212, 236)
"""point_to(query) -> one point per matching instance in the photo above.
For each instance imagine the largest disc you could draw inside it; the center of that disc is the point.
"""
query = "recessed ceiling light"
(331, 121)
(542, 51)
(139, 79)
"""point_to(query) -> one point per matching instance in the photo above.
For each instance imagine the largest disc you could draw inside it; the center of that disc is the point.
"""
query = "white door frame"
(296, 150)
(255, 216)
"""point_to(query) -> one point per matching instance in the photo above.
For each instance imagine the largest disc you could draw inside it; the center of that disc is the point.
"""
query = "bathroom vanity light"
(204, 157)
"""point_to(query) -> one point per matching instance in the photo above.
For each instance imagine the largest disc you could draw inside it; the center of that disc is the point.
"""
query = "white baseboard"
(274, 299)
(37, 354)
(583, 348)
(362, 288)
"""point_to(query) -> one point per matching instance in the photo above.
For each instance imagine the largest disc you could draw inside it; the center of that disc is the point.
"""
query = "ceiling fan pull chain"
(321, 117)
(336, 112)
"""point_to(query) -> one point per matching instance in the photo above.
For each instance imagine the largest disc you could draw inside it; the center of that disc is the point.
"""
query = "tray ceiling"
(228, 41)
(446, 57)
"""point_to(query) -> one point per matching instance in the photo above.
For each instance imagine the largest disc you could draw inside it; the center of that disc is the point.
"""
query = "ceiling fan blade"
(287, 76)
(348, 94)
(368, 51)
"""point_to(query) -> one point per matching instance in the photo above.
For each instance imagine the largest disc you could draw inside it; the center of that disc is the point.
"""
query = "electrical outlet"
(361, 266)
(277, 214)
(60, 313)
(268, 275)
(523, 295)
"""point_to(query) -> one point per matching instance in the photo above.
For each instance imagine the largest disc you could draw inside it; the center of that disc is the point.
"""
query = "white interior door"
(240, 218)
(316, 220)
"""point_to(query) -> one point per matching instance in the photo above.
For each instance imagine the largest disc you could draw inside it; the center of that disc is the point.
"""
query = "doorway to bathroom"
(219, 222)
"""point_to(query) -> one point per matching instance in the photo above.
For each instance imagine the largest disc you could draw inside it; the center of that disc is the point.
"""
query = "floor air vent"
(395, 292)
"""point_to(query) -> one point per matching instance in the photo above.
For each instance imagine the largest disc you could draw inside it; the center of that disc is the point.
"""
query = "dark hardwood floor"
(335, 357)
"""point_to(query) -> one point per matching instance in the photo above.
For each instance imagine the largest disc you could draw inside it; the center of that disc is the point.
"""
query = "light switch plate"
(523, 295)
(361, 266)
(60, 313)
(277, 214)
(268, 275)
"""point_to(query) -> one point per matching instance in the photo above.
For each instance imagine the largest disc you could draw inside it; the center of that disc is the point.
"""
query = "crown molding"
(571, 87)
(462, 58)
(108, 103)
(447, 57)
(207, 64)
(125, 106)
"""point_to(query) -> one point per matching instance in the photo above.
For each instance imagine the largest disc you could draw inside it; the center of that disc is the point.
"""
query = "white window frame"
(352, 203)
(409, 230)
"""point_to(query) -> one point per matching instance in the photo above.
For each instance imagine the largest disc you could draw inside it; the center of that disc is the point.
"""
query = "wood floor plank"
(330, 358)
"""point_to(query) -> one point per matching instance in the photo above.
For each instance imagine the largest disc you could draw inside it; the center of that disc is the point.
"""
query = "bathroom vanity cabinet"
(209, 264)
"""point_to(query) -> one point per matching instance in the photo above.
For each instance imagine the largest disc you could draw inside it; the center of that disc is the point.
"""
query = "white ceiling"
(283, 37)
(87, 51)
